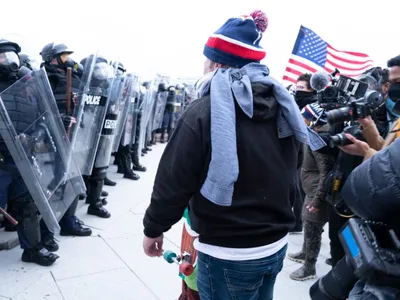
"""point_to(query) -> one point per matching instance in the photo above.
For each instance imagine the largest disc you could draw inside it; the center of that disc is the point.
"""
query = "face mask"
(303, 94)
(394, 91)
(391, 107)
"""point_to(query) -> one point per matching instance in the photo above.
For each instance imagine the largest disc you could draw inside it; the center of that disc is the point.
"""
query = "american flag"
(311, 54)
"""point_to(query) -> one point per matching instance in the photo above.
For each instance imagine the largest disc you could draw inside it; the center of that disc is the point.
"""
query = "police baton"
(11, 219)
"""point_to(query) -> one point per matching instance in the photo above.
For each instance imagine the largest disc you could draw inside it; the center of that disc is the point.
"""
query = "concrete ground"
(111, 265)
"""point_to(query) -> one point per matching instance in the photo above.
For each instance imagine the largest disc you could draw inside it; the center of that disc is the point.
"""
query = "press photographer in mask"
(374, 141)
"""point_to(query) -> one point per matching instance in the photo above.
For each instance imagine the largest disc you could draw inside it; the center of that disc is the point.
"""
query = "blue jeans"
(238, 280)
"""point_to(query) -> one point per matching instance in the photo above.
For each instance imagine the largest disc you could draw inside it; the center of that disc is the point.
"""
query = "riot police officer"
(28, 62)
(168, 120)
(56, 60)
(12, 187)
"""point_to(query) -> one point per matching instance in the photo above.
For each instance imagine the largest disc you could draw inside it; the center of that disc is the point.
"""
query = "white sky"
(168, 36)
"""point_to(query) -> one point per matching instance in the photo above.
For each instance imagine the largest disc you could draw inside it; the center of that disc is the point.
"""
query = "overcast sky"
(168, 36)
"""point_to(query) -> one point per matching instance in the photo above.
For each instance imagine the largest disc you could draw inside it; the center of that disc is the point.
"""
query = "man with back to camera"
(240, 201)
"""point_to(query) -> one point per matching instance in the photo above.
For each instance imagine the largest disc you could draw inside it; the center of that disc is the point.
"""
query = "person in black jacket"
(231, 161)
(56, 61)
(376, 199)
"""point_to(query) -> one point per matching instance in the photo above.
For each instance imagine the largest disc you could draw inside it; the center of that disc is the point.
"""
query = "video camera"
(372, 255)
(346, 99)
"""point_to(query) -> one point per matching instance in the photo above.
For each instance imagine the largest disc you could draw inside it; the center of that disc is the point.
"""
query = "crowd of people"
(67, 137)
(248, 162)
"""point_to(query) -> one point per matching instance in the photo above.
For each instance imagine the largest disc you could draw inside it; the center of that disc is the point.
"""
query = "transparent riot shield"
(129, 130)
(106, 142)
(159, 109)
(124, 109)
(146, 112)
(39, 146)
(90, 111)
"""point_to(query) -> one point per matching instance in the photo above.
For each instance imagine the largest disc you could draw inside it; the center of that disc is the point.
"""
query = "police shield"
(159, 109)
(39, 146)
(129, 130)
(123, 109)
(148, 104)
(90, 110)
(106, 142)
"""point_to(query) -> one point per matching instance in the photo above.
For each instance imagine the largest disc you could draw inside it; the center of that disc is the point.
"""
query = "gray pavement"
(110, 264)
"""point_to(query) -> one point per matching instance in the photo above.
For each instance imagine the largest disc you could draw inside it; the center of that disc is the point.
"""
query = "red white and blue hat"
(237, 42)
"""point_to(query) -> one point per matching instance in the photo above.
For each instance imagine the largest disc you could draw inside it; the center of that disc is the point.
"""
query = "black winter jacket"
(261, 211)
(372, 190)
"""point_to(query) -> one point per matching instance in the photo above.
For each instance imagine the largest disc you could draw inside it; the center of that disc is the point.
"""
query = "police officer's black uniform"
(12, 186)
(57, 74)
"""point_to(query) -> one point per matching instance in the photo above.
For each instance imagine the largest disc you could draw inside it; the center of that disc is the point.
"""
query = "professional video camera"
(372, 255)
(346, 99)
(339, 92)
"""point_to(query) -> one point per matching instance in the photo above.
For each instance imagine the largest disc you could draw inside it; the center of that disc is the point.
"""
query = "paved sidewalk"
(110, 265)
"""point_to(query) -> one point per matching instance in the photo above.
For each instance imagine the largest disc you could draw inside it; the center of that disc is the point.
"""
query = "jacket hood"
(264, 103)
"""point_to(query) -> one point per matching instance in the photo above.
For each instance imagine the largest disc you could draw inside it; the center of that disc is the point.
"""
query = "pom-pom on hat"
(237, 42)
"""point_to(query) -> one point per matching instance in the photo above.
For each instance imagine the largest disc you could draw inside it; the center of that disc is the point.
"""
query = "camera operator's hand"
(358, 147)
(366, 122)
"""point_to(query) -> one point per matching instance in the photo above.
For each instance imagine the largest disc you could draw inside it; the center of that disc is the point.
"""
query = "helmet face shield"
(103, 71)
(10, 60)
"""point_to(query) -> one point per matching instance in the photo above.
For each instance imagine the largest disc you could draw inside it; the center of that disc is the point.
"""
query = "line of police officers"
(36, 239)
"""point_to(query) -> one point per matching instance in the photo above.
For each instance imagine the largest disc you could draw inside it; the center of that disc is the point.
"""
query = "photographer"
(314, 170)
(376, 199)
(374, 141)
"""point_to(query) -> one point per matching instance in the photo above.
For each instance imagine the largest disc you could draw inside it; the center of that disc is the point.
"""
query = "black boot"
(135, 163)
(40, 256)
(103, 201)
(148, 146)
(116, 158)
(49, 243)
(129, 174)
(71, 226)
(98, 210)
(96, 205)
(104, 194)
(312, 245)
(109, 182)
(121, 160)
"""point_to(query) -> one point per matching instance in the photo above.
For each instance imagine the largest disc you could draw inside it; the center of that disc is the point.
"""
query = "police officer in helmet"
(56, 60)
(12, 187)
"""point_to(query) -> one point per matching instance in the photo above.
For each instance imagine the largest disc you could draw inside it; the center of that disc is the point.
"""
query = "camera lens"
(339, 115)
(339, 140)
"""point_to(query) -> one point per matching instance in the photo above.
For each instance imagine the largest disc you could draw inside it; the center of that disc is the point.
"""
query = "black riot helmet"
(146, 84)
(9, 59)
(53, 50)
(27, 62)
(120, 68)
(162, 87)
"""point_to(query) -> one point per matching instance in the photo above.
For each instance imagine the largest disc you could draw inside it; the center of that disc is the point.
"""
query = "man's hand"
(365, 122)
(313, 208)
(358, 147)
(153, 247)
